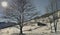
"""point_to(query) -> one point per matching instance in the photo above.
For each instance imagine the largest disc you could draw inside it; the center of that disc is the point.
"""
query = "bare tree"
(55, 15)
(49, 18)
(53, 8)
(20, 9)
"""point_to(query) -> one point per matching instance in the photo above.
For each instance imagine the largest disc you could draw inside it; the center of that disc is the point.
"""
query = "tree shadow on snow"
(17, 34)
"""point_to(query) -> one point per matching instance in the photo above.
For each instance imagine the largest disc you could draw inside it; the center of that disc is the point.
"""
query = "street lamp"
(4, 4)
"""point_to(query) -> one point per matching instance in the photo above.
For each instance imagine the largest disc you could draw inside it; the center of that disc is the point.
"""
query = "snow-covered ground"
(34, 29)
(30, 30)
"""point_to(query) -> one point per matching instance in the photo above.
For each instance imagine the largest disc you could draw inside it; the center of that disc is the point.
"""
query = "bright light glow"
(4, 4)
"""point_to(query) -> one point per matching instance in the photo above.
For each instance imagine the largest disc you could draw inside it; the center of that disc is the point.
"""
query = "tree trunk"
(51, 26)
(55, 25)
(21, 24)
(21, 32)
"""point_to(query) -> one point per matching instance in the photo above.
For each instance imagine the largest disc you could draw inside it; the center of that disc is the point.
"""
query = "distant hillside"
(6, 25)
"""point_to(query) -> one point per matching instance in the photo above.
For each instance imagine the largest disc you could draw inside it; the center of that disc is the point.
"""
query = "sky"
(39, 4)
(42, 4)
